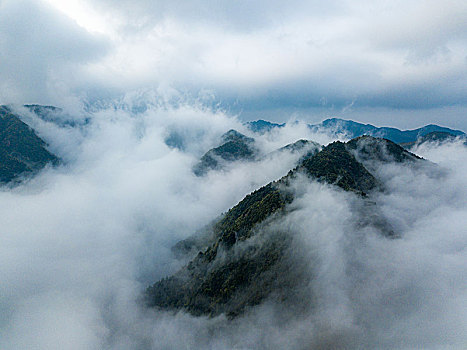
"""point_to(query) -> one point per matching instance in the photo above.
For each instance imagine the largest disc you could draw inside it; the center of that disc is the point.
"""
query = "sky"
(390, 63)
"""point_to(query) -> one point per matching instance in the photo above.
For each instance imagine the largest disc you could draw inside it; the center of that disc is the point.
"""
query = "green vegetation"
(206, 286)
(243, 256)
(371, 148)
(227, 285)
(236, 146)
(336, 165)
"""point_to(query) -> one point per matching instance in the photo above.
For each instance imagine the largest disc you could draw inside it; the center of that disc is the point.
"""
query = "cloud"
(42, 53)
(240, 16)
(82, 241)
(254, 57)
(407, 56)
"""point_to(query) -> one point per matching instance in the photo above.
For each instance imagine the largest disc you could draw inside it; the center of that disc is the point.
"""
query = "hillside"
(235, 146)
(22, 152)
(242, 260)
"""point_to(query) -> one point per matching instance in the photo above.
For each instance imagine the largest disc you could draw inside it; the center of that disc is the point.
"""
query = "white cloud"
(41, 53)
(254, 57)
(80, 243)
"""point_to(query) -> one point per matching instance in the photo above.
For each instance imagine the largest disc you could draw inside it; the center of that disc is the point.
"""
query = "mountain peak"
(261, 126)
(234, 135)
(235, 146)
(371, 148)
(336, 165)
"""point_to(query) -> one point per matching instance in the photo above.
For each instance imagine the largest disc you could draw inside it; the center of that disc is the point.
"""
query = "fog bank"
(82, 241)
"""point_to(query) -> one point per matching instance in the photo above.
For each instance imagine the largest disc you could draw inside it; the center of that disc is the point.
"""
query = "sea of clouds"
(81, 242)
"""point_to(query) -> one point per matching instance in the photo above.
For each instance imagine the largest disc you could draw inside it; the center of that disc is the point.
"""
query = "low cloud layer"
(82, 241)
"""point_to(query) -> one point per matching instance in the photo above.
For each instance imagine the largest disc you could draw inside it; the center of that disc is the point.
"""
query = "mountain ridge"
(353, 129)
(235, 146)
(233, 271)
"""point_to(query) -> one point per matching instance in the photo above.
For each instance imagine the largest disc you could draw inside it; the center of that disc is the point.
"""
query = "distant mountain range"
(235, 146)
(351, 129)
(22, 152)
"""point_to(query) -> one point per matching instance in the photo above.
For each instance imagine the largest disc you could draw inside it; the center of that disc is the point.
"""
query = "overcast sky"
(399, 63)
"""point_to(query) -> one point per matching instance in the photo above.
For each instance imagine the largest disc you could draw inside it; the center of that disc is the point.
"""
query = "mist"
(82, 241)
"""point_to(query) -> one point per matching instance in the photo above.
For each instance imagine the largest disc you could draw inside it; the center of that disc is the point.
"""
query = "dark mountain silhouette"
(22, 152)
(243, 257)
(261, 126)
(235, 146)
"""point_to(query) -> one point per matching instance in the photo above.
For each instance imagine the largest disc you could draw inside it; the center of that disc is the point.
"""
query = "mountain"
(22, 152)
(298, 146)
(353, 129)
(43, 111)
(437, 137)
(305, 148)
(261, 126)
(235, 146)
(367, 148)
(57, 116)
(244, 257)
